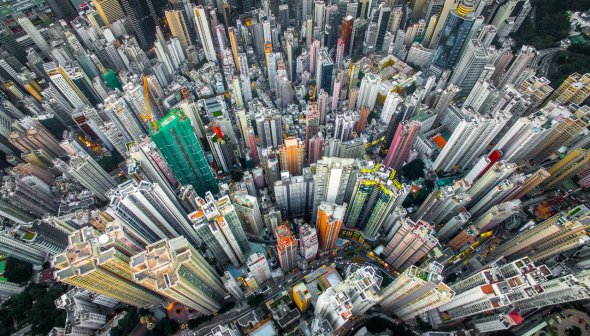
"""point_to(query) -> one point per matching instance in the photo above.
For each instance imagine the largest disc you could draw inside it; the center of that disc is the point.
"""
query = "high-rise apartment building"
(34, 34)
(331, 179)
(147, 208)
(203, 27)
(574, 89)
(523, 59)
(415, 291)
(402, 143)
(179, 27)
(217, 224)
(181, 149)
(102, 268)
(567, 167)
(175, 269)
(286, 248)
(292, 155)
(308, 238)
(411, 242)
(368, 91)
(29, 194)
(559, 233)
(328, 223)
(249, 213)
(258, 268)
(85, 170)
(294, 194)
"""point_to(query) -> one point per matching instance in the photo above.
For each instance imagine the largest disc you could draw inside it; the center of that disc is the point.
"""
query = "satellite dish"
(103, 239)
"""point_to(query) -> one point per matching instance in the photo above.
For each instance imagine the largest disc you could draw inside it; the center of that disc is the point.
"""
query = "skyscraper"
(179, 27)
(181, 149)
(218, 225)
(309, 242)
(176, 270)
(574, 89)
(402, 143)
(410, 243)
(454, 35)
(143, 18)
(109, 11)
(415, 291)
(101, 268)
(328, 223)
(34, 34)
(567, 167)
(148, 209)
(89, 173)
(286, 248)
(556, 234)
(331, 179)
(292, 155)
(204, 30)
(258, 268)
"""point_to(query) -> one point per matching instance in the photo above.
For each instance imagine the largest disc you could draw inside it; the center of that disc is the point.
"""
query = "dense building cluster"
(334, 160)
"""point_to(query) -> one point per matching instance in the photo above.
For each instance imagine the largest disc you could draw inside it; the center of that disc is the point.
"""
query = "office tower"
(309, 242)
(349, 299)
(176, 270)
(218, 225)
(357, 37)
(34, 34)
(331, 179)
(101, 268)
(470, 66)
(523, 59)
(496, 173)
(368, 91)
(109, 11)
(143, 19)
(286, 248)
(231, 285)
(402, 143)
(85, 170)
(324, 71)
(62, 9)
(181, 149)
(556, 234)
(574, 89)
(453, 34)
(328, 223)
(258, 268)
(471, 136)
(537, 89)
(37, 141)
(148, 209)
(30, 194)
(567, 167)
(410, 243)
(248, 211)
(415, 291)
(204, 32)
(292, 155)
(179, 27)
(12, 46)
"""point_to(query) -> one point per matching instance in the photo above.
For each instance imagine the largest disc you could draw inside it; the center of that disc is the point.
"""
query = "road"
(543, 60)
(276, 288)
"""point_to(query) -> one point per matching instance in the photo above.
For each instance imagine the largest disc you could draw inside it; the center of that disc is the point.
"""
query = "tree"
(573, 331)
(413, 170)
(256, 300)
(18, 271)
(237, 175)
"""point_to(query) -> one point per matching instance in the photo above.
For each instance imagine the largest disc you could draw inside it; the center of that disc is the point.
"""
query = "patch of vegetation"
(256, 300)
(34, 305)
(566, 62)
(194, 323)
(413, 170)
(18, 271)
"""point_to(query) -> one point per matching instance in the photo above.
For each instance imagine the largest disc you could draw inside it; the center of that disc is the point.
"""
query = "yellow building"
(574, 89)
(301, 296)
(178, 27)
(109, 10)
(92, 261)
(567, 167)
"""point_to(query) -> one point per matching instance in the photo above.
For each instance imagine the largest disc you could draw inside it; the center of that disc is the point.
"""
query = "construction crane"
(148, 116)
(312, 96)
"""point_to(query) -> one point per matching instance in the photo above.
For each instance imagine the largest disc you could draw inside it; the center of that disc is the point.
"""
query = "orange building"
(328, 224)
